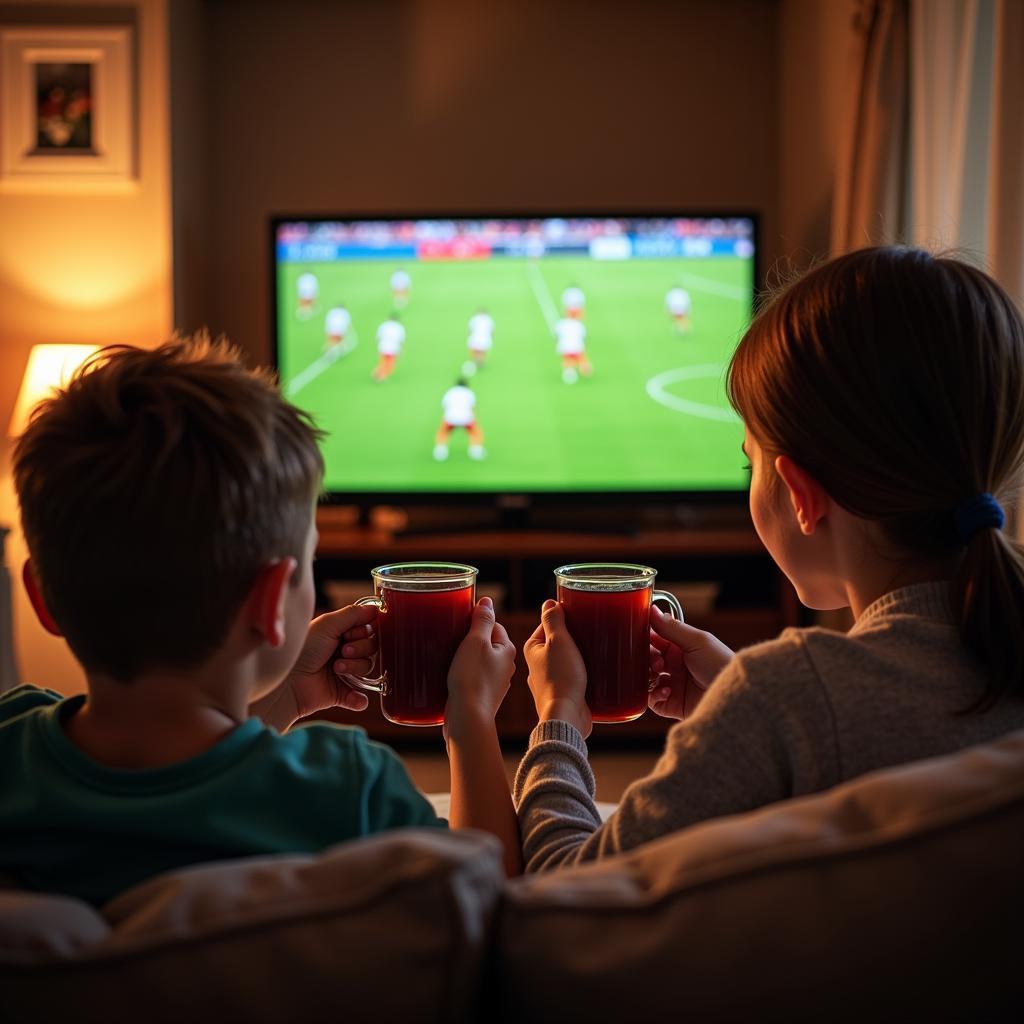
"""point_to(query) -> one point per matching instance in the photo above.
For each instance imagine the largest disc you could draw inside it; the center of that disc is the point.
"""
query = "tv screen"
(529, 355)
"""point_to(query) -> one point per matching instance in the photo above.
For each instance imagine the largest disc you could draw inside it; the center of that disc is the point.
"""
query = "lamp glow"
(49, 367)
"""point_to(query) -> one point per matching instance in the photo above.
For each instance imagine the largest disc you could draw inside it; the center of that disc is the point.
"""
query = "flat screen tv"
(565, 356)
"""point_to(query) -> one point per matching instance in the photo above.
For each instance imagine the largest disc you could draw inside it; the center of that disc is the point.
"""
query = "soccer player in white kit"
(390, 337)
(573, 302)
(337, 324)
(308, 288)
(459, 405)
(481, 339)
(570, 344)
(677, 302)
(401, 282)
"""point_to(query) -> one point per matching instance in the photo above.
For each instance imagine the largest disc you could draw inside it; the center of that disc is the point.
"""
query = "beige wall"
(84, 268)
(510, 104)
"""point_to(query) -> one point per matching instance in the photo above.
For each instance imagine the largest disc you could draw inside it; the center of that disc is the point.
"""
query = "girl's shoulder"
(905, 650)
(792, 662)
(791, 649)
(777, 685)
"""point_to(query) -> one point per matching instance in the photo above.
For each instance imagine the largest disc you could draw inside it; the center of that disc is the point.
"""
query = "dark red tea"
(419, 632)
(612, 631)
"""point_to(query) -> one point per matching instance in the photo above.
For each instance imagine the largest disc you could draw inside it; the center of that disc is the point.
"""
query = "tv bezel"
(514, 498)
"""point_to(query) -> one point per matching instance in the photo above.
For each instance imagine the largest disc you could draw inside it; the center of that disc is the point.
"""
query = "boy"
(167, 499)
(459, 404)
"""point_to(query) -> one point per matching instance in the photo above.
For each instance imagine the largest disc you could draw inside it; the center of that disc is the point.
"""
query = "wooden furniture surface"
(522, 561)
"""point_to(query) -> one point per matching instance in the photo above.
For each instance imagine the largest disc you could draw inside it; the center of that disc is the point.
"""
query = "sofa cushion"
(896, 895)
(390, 927)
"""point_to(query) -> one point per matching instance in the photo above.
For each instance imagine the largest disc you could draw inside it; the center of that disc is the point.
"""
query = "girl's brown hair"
(896, 379)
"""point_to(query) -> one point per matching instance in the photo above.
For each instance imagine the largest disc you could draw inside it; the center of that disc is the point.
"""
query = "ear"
(808, 497)
(35, 596)
(268, 598)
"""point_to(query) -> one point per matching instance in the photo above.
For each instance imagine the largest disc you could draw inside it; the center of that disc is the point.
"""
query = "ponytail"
(989, 596)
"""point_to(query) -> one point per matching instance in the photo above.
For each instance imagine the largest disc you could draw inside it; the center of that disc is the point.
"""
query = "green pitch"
(652, 417)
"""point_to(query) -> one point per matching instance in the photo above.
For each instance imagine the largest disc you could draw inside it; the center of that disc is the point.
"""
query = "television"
(568, 357)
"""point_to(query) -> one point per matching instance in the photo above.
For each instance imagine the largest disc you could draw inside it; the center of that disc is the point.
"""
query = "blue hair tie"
(982, 512)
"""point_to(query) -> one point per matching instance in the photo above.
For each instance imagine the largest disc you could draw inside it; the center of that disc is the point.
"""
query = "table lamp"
(49, 367)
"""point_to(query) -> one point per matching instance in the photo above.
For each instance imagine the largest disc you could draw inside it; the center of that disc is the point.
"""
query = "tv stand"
(424, 520)
(518, 513)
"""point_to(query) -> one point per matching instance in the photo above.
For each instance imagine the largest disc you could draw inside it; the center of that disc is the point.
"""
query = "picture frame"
(66, 108)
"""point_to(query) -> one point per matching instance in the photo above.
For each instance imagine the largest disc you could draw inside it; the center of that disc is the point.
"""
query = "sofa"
(897, 896)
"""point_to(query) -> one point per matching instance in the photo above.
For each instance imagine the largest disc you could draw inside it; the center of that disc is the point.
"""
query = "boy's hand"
(314, 679)
(684, 663)
(480, 673)
(558, 677)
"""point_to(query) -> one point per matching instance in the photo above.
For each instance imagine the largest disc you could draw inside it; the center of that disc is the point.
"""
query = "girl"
(883, 400)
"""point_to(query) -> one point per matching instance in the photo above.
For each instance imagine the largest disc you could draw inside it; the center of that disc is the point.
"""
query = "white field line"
(540, 292)
(656, 390)
(311, 372)
(712, 287)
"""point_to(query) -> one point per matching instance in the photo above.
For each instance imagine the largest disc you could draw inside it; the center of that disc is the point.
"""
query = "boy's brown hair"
(153, 489)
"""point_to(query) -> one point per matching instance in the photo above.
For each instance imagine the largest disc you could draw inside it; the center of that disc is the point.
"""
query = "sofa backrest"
(896, 896)
(899, 895)
(392, 927)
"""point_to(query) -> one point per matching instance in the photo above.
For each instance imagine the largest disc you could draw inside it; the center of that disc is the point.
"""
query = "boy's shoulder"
(24, 699)
(325, 744)
(317, 749)
(331, 759)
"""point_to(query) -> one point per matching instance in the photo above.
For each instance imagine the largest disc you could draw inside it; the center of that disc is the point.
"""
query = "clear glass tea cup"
(425, 612)
(607, 610)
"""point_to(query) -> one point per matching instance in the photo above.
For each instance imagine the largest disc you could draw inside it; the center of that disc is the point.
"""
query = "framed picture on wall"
(66, 108)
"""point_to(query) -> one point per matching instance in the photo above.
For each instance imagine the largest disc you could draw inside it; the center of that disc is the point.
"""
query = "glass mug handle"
(378, 683)
(674, 607)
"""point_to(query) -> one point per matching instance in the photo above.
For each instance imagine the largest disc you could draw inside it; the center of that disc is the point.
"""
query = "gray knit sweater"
(791, 716)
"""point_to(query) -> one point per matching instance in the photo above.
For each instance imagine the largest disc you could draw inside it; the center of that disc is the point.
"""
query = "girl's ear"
(807, 496)
(35, 596)
(268, 600)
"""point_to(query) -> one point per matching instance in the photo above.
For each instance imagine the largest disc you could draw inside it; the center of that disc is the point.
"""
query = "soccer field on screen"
(652, 417)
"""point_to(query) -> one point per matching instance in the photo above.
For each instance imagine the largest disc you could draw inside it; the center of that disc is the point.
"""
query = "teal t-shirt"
(71, 825)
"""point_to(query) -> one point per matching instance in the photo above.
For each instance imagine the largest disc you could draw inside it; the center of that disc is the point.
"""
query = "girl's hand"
(558, 677)
(684, 663)
(480, 673)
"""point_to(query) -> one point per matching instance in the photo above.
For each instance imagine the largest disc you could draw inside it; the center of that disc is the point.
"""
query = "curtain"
(870, 193)
(934, 134)
(1006, 150)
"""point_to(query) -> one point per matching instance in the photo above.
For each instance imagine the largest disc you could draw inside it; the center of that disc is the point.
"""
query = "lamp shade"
(49, 367)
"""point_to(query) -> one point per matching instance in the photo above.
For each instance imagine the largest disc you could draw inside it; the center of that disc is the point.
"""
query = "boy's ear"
(807, 496)
(35, 596)
(267, 600)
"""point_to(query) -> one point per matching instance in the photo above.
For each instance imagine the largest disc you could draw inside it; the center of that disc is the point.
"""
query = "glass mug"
(425, 612)
(608, 614)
